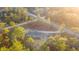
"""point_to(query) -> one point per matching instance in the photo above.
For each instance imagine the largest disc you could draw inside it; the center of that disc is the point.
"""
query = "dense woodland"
(15, 39)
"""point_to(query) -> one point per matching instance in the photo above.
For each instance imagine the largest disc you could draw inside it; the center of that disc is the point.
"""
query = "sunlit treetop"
(12, 23)
(19, 32)
(6, 30)
(30, 40)
(2, 24)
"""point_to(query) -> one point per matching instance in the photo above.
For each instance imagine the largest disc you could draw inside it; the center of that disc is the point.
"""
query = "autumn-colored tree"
(19, 32)
(17, 46)
(12, 23)
(2, 24)
(29, 43)
(4, 40)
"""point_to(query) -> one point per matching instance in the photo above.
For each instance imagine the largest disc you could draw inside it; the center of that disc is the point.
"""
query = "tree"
(29, 43)
(4, 49)
(15, 14)
(12, 23)
(5, 41)
(61, 45)
(5, 31)
(56, 42)
(30, 40)
(2, 24)
(17, 46)
(19, 32)
(73, 43)
(45, 47)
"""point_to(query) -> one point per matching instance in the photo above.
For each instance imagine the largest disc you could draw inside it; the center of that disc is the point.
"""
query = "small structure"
(40, 29)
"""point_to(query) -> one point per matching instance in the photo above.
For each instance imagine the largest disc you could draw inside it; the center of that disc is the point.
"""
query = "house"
(40, 29)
